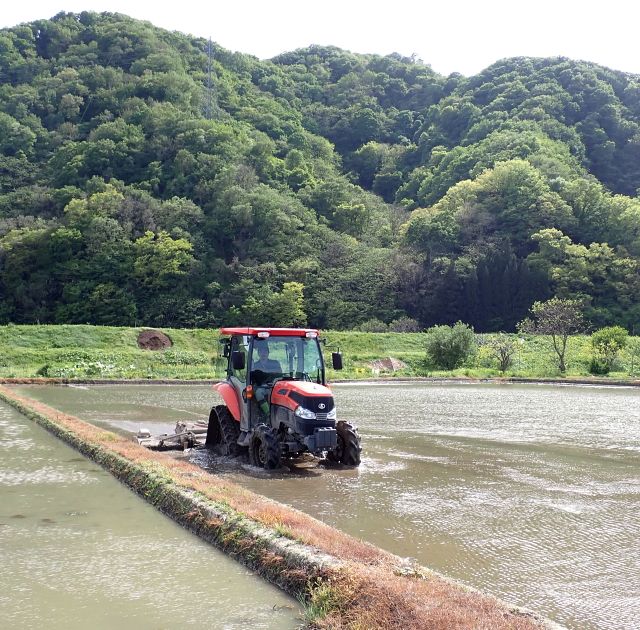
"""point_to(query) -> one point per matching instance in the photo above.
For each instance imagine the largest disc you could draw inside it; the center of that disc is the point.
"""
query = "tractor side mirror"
(336, 360)
(237, 360)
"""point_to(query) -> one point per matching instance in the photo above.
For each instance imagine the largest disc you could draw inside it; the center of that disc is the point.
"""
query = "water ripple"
(47, 474)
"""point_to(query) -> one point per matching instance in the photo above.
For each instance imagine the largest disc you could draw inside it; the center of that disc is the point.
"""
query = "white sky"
(464, 36)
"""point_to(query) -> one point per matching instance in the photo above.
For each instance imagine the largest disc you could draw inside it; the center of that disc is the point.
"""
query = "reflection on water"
(527, 492)
(78, 550)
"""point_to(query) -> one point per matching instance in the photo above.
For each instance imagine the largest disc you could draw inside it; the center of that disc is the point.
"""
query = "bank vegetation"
(70, 352)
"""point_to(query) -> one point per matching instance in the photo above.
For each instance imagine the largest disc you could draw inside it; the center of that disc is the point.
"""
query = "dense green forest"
(321, 187)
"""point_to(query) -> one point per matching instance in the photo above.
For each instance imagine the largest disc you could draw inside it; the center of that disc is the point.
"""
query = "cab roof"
(286, 332)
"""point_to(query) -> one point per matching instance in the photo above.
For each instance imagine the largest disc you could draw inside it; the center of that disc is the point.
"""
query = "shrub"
(606, 343)
(83, 369)
(374, 326)
(405, 325)
(449, 346)
(182, 357)
(598, 367)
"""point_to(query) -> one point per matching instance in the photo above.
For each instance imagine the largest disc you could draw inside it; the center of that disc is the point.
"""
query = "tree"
(264, 307)
(633, 349)
(15, 139)
(431, 230)
(609, 278)
(351, 219)
(286, 308)
(161, 261)
(102, 305)
(606, 343)
(364, 126)
(501, 347)
(448, 346)
(557, 318)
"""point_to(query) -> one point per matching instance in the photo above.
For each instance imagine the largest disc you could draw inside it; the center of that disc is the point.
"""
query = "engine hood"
(290, 394)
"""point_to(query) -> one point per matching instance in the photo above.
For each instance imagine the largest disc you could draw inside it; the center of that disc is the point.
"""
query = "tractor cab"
(274, 389)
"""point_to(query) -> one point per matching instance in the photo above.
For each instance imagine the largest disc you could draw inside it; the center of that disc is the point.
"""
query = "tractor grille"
(318, 404)
(308, 427)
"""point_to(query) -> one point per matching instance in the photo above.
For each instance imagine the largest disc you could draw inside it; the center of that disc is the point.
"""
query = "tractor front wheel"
(223, 432)
(264, 450)
(348, 450)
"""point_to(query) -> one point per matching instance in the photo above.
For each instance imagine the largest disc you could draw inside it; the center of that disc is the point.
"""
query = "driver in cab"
(264, 363)
(268, 366)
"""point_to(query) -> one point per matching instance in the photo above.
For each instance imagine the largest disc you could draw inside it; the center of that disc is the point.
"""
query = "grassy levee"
(343, 583)
(84, 351)
(70, 352)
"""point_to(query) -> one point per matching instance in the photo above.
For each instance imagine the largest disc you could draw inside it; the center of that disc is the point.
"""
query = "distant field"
(111, 352)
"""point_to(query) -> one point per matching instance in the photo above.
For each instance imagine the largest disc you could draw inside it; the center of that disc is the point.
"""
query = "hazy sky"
(464, 36)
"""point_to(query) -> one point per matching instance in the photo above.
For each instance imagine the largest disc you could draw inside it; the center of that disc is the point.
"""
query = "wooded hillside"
(321, 187)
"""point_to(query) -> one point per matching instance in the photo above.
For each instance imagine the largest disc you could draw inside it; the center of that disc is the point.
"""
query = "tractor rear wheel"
(264, 450)
(223, 432)
(348, 450)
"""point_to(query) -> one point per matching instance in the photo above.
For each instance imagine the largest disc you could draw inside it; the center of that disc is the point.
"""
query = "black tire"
(349, 448)
(264, 450)
(223, 432)
(213, 430)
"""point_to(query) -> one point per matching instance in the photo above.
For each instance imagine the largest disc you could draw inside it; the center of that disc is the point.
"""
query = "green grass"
(534, 358)
(110, 352)
(103, 352)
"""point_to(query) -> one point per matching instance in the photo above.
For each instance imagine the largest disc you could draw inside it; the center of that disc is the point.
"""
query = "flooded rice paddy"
(531, 493)
(79, 550)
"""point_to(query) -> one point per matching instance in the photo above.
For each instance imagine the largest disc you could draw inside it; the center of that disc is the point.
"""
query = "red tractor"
(277, 403)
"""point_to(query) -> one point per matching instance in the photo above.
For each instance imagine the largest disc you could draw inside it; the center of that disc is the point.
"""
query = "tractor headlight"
(332, 415)
(302, 412)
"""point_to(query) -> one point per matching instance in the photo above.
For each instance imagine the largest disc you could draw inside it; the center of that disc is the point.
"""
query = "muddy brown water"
(531, 493)
(78, 550)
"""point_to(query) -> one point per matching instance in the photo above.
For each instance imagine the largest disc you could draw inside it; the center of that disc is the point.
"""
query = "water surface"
(79, 550)
(531, 493)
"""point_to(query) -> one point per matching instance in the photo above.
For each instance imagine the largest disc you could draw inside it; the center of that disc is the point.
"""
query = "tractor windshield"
(288, 357)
